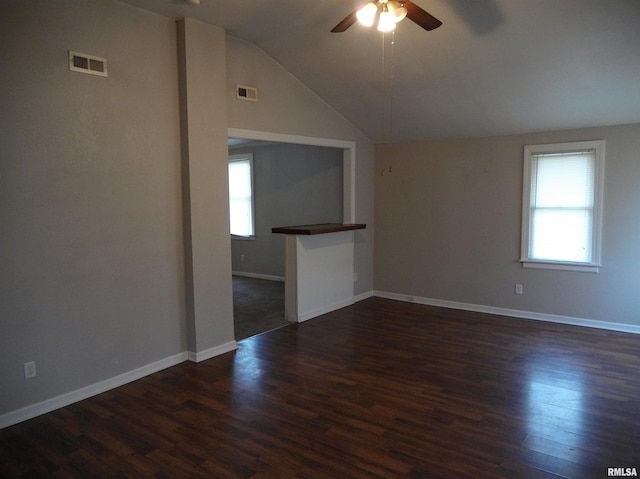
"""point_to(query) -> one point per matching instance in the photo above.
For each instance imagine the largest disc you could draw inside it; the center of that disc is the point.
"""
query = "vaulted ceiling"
(494, 67)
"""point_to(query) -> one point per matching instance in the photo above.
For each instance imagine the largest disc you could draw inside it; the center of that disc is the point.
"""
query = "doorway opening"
(296, 180)
(258, 306)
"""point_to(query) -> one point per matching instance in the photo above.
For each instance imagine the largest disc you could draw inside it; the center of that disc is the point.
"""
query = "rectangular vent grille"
(244, 92)
(81, 62)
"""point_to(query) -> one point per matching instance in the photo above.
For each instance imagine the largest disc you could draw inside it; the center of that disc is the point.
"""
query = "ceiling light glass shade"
(387, 22)
(397, 9)
(367, 14)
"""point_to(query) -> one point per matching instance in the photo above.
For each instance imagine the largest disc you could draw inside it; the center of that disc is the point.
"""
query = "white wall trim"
(212, 352)
(63, 400)
(66, 399)
(268, 277)
(324, 310)
(285, 138)
(48, 405)
(349, 160)
(363, 296)
(516, 313)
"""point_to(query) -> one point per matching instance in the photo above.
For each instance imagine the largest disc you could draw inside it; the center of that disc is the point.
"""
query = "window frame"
(244, 157)
(593, 266)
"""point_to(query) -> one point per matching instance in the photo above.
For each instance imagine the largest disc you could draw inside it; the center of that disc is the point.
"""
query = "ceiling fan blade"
(419, 16)
(345, 23)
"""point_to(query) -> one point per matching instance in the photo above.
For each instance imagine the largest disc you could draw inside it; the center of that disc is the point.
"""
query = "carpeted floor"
(258, 306)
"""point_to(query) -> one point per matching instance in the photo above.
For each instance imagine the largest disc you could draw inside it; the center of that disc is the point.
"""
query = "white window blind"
(562, 204)
(241, 196)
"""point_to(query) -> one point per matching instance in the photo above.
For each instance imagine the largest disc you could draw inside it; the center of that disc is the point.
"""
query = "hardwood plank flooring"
(381, 389)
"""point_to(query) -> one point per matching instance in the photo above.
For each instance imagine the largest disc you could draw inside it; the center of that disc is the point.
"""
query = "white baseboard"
(63, 400)
(258, 276)
(212, 352)
(66, 399)
(34, 410)
(324, 310)
(552, 318)
(331, 307)
(363, 296)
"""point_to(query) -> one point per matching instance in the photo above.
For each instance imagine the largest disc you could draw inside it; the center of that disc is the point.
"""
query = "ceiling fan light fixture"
(367, 14)
(386, 22)
(386, 13)
(397, 9)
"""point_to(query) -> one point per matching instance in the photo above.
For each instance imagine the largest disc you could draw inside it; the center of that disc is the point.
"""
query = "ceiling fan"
(387, 13)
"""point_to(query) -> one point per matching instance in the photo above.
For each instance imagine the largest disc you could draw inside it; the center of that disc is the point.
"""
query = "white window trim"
(595, 264)
(244, 157)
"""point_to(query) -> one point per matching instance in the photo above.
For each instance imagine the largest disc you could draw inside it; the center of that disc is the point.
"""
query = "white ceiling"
(494, 67)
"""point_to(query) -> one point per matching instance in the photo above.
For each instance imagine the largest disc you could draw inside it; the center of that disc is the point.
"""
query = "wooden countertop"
(318, 229)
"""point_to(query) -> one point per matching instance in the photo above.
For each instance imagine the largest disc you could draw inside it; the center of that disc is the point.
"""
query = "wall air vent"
(81, 62)
(244, 92)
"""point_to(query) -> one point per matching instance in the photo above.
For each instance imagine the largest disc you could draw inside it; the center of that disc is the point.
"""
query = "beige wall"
(448, 227)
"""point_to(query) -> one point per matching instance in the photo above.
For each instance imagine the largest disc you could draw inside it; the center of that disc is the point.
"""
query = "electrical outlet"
(519, 288)
(30, 370)
(355, 276)
(242, 258)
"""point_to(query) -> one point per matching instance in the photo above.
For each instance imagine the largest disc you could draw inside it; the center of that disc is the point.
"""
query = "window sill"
(557, 265)
(243, 238)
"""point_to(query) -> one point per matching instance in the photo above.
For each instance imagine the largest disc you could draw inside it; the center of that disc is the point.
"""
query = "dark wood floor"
(379, 389)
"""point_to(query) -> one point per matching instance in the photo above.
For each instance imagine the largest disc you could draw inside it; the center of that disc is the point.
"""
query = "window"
(562, 206)
(241, 195)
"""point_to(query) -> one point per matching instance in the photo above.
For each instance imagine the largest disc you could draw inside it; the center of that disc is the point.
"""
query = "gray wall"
(286, 106)
(91, 263)
(202, 62)
(93, 240)
(448, 227)
(293, 185)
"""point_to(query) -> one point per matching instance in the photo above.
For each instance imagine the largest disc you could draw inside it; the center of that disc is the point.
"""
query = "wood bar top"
(317, 229)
